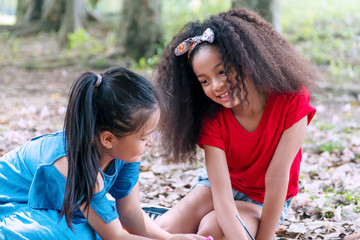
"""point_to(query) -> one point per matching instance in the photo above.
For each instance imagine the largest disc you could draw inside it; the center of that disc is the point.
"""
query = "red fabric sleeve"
(211, 133)
(299, 107)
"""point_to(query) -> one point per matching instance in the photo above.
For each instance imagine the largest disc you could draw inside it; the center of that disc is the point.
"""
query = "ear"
(107, 139)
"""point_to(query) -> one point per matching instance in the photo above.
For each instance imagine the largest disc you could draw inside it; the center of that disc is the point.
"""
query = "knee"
(210, 227)
(165, 223)
(186, 215)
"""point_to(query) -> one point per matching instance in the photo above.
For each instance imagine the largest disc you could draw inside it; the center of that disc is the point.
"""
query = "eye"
(204, 82)
(222, 72)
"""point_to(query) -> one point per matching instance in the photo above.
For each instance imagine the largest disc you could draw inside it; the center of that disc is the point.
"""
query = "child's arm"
(224, 204)
(134, 220)
(277, 178)
(112, 230)
(137, 222)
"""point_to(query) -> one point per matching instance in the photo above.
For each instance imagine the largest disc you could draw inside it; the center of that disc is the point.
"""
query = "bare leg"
(250, 214)
(186, 215)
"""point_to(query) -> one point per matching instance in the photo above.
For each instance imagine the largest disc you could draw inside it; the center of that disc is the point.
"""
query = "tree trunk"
(53, 14)
(22, 6)
(140, 28)
(34, 16)
(63, 16)
(48, 11)
(75, 14)
(28, 10)
(268, 9)
(93, 3)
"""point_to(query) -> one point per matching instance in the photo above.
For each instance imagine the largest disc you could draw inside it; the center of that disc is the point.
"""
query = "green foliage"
(310, 18)
(16, 46)
(100, 63)
(329, 215)
(109, 6)
(335, 198)
(82, 41)
(177, 13)
(146, 64)
(89, 49)
(149, 64)
(330, 146)
(326, 127)
(325, 32)
(341, 71)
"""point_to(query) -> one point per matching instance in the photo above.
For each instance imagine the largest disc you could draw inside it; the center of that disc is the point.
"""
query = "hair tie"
(189, 44)
(98, 80)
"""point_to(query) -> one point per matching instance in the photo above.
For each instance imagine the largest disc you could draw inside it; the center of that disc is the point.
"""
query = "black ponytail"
(121, 104)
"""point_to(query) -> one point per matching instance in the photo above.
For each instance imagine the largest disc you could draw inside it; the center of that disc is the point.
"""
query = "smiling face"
(131, 148)
(209, 69)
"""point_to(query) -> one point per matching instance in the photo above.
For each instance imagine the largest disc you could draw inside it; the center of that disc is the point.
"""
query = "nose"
(218, 84)
(150, 140)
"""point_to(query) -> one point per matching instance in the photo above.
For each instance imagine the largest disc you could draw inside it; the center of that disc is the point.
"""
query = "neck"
(104, 162)
(256, 101)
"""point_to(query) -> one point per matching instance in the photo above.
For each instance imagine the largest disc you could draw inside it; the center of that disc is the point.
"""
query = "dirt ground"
(33, 102)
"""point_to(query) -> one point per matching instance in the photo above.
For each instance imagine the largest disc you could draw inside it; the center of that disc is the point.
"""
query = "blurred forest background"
(46, 44)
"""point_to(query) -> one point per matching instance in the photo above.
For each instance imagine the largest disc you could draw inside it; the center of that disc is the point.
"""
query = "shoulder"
(44, 149)
(293, 99)
(47, 142)
(49, 136)
(215, 128)
(303, 94)
(294, 106)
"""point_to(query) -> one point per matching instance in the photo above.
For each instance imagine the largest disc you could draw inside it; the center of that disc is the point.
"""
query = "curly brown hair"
(244, 40)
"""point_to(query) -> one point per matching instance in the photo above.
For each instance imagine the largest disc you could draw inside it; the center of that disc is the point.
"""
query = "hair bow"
(189, 44)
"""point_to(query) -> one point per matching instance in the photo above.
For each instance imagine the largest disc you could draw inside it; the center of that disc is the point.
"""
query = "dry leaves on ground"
(327, 207)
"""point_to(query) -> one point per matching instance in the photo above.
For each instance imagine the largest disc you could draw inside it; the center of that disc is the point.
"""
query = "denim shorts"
(203, 180)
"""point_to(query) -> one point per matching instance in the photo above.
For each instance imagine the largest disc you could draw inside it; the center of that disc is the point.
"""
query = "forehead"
(206, 57)
(151, 123)
(205, 49)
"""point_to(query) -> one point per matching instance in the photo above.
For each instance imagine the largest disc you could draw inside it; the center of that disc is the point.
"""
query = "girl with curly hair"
(236, 88)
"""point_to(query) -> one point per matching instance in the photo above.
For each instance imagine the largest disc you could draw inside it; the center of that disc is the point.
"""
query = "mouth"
(226, 94)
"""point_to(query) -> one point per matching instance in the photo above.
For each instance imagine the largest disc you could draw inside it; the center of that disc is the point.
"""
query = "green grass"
(319, 17)
(325, 32)
(177, 13)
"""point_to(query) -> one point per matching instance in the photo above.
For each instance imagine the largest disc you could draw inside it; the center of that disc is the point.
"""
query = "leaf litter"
(327, 207)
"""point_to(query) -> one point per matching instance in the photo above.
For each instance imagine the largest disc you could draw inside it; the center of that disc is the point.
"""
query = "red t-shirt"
(249, 153)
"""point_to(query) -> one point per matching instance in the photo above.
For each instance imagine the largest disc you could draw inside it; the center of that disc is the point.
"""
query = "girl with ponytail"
(55, 186)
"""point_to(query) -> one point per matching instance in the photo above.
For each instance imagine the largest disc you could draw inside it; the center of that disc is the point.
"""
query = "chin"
(230, 104)
(133, 159)
(137, 158)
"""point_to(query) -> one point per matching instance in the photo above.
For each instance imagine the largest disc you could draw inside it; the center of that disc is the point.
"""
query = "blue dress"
(32, 191)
